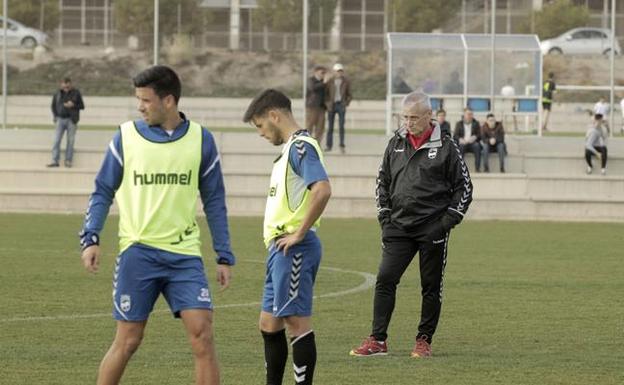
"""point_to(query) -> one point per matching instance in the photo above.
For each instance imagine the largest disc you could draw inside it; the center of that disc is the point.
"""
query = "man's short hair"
(490, 115)
(162, 79)
(598, 116)
(417, 97)
(269, 99)
(440, 111)
(551, 75)
(66, 80)
(319, 67)
(467, 109)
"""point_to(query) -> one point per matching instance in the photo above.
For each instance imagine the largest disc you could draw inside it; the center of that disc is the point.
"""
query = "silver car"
(581, 41)
(19, 35)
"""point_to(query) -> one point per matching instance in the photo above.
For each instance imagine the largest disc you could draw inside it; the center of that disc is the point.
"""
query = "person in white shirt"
(509, 92)
(596, 144)
(622, 108)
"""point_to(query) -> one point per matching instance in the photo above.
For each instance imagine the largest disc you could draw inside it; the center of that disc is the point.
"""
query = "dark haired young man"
(297, 196)
(155, 167)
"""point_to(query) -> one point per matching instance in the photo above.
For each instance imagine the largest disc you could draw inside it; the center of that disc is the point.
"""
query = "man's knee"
(201, 340)
(129, 343)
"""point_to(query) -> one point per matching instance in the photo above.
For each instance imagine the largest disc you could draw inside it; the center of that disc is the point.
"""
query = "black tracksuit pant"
(399, 248)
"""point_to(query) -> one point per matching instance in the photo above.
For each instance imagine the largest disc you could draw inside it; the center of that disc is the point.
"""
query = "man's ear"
(274, 116)
(169, 101)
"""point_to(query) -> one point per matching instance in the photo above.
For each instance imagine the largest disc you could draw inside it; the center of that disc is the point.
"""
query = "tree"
(137, 17)
(421, 15)
(559, 16)
(29, 13)
(287, 15)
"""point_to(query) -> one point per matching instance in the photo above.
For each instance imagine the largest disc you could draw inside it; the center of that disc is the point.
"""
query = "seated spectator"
(467, 135)
(596, 144)
(445, 127)
(493, 140)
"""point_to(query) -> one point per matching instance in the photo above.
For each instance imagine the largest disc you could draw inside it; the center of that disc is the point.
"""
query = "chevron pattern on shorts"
(295, 275)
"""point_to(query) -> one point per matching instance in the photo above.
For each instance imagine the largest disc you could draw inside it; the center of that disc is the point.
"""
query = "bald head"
(416, 112)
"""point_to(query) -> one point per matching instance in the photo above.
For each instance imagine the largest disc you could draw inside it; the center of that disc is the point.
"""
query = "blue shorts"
(143, 272)
(289, 283)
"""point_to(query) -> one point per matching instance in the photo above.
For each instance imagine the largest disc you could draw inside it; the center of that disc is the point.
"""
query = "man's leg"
(198, 324)
(475, 148)
(485, 157)
(500, 148)
(432, 264)
(303, 346)
(342, 112)
(71, 137)
(398, 252)
(588, 156)
(127, 341)
(331, 115)
(58, 136)
(275, 347)
(320, 125)
(546, 116)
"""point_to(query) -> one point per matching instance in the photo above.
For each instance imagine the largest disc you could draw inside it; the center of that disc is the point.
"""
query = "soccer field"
(525, 303)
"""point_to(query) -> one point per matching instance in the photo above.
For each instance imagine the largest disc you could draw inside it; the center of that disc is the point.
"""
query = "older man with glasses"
(423, 191)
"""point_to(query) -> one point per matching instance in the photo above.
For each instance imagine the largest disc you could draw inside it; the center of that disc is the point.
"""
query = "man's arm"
(53, 106)
(382, 189)
(107, 182)
(459, 177)
(348, 95)
(79, 104)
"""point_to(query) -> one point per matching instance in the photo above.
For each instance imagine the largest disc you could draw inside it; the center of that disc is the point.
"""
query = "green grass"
(525, 303)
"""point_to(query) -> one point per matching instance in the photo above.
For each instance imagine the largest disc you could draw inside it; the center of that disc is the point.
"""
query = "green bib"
(158, 193)
(289, 198)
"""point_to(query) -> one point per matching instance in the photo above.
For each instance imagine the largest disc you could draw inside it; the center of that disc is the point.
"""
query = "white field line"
(369, 281)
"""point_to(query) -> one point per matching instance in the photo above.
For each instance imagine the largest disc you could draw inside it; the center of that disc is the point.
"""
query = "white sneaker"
(589, 170)
(603, 171)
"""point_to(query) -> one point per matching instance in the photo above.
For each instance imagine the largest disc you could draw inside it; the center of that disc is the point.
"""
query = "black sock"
(275, 355)
(304, 358)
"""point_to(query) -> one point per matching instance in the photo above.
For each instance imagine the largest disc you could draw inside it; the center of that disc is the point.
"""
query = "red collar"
(418, 141)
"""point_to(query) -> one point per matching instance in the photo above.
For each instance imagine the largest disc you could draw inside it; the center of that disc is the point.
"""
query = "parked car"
(19, 35)
(581, 41)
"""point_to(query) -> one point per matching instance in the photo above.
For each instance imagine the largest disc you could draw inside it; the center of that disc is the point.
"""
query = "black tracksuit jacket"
(425, 188)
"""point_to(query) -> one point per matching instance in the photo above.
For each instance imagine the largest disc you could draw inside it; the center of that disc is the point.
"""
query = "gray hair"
(417, 97)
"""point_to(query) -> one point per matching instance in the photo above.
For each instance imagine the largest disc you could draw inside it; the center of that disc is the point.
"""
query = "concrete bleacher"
(545, 177)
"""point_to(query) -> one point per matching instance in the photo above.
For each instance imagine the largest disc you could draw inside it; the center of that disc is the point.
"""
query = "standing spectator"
(548, 90)
(423, 191)
(596, 145)
(467, 135)
(509, 92)
(493, 140)
(454, 85)
(399, 85)
(315, 103)
(66, 105)
(445, 127)
(337, 100)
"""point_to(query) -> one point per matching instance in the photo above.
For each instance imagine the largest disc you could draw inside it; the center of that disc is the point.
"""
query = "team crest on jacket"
(432, 153)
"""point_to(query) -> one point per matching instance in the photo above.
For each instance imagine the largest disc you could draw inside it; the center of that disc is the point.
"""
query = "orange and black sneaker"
(422, 349)
(370, 347)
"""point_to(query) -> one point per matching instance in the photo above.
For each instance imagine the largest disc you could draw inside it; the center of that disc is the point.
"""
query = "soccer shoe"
(422, 349)
(370, 347)
(603, 171)
(588, 170)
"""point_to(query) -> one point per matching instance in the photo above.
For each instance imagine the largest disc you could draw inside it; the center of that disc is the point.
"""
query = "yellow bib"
(158, 193)
(289, 198)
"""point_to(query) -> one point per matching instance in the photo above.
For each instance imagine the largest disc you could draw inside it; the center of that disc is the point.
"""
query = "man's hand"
(224, 275)
(91, 258)
(68, 104)
(286, 242)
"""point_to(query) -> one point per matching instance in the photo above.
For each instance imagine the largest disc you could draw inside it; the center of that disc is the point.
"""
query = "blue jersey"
(211, 186)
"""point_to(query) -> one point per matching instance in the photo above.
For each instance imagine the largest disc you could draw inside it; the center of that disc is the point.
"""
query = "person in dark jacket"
(66, 105)
(423, 191)
(315, 103)
(467, 135)
(337, 99)
(445, 127)
(493, 138)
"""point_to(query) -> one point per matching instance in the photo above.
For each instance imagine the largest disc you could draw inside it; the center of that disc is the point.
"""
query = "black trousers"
(399, 249)
(603, 156)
